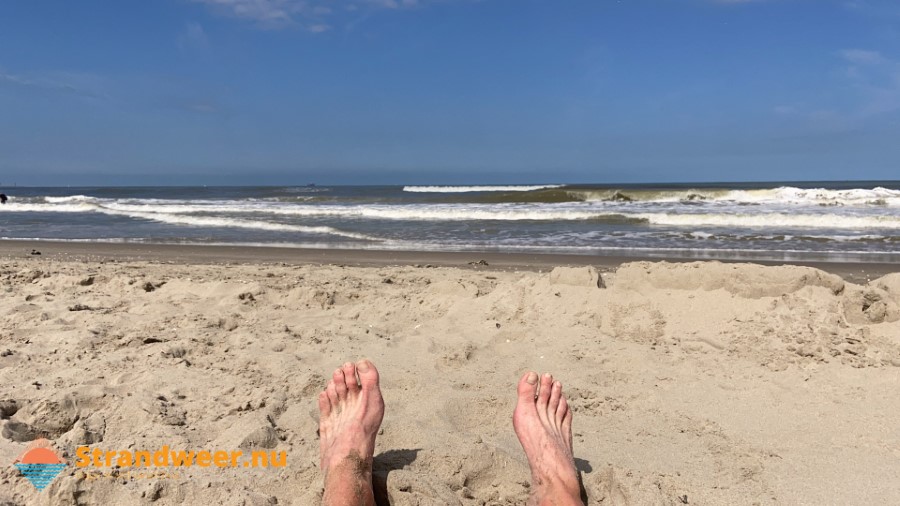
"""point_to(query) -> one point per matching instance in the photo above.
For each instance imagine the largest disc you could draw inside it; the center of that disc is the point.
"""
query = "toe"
(543, 397)
(567, 427)
(555, 393)
(527, 389)
(331, 393)
(339, 385)
(324, 405)
(350, 378)
(561, 410)
(368, 375)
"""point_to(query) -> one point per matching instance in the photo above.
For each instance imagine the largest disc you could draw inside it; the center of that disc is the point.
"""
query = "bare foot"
(543, 423)
(351, 414)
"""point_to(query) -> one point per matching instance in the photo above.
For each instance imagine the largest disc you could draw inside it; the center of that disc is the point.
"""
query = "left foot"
(351, 413)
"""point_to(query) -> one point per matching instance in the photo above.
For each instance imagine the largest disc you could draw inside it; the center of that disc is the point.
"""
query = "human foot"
(350, 415)
(543, 423)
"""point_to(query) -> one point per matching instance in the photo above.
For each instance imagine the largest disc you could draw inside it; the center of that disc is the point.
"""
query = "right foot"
(351, 414)
(543, 423)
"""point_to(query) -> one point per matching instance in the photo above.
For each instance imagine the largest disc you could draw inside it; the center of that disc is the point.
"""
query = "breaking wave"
(173, 217)
(468, 189)
(782, 195)
(878, 196)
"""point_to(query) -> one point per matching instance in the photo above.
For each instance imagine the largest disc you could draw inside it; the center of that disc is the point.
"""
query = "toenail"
(363, 366)
(532, 378)
(557, 384)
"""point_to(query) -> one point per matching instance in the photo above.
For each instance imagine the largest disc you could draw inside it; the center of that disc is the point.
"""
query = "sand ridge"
(697, 383)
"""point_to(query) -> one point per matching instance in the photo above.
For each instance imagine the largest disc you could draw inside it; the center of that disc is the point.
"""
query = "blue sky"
(447, 91)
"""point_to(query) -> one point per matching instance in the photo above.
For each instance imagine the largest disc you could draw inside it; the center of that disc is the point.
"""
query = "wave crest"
(470, 189)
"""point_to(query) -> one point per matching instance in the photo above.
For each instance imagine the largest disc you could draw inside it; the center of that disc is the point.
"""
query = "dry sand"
(698, 383)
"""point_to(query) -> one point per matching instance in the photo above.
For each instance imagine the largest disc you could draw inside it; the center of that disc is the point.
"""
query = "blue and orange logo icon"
(39, 463)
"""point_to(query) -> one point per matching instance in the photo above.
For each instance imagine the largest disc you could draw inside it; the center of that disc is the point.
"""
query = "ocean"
(825, 221)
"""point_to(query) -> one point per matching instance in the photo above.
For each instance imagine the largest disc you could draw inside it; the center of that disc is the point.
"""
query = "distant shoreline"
(191, 254)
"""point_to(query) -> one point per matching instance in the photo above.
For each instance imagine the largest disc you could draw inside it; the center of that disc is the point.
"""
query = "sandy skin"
(543, 424)
(352, 409)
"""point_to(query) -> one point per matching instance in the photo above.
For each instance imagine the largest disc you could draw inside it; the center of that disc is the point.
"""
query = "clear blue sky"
(447, 91)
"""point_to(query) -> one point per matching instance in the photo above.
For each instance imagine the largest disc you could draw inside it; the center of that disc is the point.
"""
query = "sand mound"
(745, 280)
(576, 276)
(870, 305)
(890, 284)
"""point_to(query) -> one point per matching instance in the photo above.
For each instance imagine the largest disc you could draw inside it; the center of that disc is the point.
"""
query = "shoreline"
(195, 254)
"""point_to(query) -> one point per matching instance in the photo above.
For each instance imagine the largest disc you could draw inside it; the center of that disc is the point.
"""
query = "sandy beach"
(691, 383)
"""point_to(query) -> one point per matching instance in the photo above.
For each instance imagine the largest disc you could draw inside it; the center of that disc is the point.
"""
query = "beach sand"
(691, 383)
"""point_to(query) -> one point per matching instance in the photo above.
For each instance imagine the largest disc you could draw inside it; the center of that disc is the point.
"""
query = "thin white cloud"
(61, 83)
(876, 79)
(870, 89)
(266, 13)
(862, 56)
(314, 15)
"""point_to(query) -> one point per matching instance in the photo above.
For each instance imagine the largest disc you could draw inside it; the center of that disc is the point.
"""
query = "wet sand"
(215, 254)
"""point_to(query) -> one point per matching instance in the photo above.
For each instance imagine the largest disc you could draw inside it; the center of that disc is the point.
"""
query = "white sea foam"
(194, 214)
(450, 212)
(467, 189)
(819, 196)
(148, 213)
(845, 238)
(772, 220)
(878, 196)
(48, 208)
(70, 198)
(204, 221)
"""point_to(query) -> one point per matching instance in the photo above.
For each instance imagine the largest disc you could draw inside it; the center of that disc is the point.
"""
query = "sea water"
(836, 221)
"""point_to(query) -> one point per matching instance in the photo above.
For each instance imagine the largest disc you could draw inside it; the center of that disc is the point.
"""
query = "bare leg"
(351, 414)
(543, 423)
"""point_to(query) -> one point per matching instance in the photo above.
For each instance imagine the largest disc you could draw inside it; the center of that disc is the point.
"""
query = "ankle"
(351, 466)
(349, 482)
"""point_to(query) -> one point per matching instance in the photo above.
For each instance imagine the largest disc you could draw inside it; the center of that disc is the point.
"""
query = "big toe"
(527, 389)
(368, 375)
